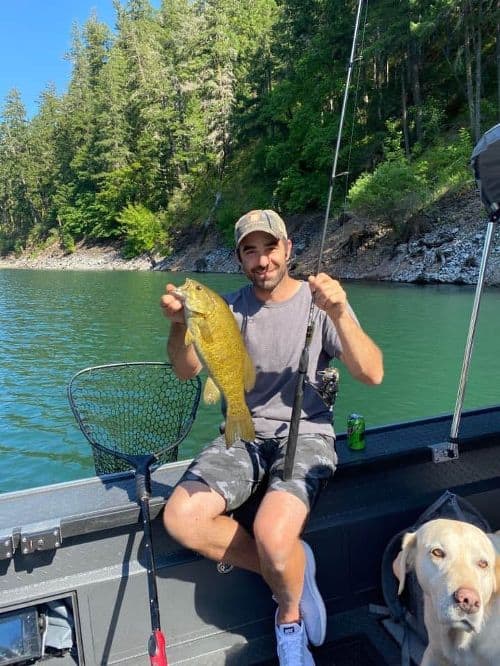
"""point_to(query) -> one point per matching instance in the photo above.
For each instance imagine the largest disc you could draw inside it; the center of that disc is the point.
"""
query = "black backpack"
(407, 609)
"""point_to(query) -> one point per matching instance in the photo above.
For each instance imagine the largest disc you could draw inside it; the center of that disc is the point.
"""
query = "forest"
(195, 112)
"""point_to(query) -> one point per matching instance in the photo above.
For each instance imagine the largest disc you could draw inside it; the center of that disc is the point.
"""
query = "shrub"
(392, 193)
(446, 165)
(299, 191)
(142, 229)
(6, 245)
(67, 241)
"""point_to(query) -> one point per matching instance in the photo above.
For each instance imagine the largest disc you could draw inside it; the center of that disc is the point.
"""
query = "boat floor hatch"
(45, 631)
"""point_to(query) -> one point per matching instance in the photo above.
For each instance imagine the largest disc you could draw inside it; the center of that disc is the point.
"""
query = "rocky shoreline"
(84, 258)
(446, 247)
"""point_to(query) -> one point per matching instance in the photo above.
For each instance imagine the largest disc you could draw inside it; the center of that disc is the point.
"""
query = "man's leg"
(277, 527)
(194, 516)
(314, 464)
(216, 482)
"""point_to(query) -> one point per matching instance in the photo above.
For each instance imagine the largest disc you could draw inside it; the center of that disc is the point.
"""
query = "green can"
(356, 432)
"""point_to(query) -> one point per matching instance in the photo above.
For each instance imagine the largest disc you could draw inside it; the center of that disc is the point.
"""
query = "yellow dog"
(458, 568)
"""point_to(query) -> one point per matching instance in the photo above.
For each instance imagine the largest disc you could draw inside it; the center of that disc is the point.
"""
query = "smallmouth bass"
(213, 330)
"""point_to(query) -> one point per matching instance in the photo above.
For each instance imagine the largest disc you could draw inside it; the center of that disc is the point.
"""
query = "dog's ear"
(405, 559)
(497, 574)
(495, 538)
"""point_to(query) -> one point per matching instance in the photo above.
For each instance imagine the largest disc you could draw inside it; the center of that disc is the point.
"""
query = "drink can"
(356, 432)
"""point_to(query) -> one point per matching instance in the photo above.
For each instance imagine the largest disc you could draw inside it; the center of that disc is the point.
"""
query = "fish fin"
(198, 329)
(188, 338)
(248, 373)
(238, 426)
(204, 330)
(211, 393)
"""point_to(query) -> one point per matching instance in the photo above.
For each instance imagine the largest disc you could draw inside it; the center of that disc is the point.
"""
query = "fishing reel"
(328, 386)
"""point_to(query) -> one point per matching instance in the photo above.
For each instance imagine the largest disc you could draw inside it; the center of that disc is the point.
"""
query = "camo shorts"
(237, 472)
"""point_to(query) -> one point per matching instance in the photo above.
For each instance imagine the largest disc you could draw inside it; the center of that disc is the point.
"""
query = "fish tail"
(239, 425)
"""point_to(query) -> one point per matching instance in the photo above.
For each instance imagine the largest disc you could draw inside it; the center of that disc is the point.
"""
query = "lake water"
(55, 323)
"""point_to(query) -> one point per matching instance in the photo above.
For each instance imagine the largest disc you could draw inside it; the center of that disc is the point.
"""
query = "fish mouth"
(178, 292)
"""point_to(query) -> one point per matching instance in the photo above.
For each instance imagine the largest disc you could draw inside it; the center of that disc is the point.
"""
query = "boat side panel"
(211, 618)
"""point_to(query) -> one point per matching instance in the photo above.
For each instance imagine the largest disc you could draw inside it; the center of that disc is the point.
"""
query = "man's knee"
(189, 511)
(177, 517)
(277, 527)
(274, 545)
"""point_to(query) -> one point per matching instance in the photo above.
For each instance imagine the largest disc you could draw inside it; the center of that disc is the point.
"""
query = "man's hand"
(359, 353)
(172, 305)
(328, 295)
(184, 359)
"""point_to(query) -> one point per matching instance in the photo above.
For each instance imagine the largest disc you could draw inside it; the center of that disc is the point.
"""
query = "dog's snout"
(467, 599)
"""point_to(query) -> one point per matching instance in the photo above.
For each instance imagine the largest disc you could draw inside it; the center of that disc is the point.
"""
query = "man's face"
(263, 259)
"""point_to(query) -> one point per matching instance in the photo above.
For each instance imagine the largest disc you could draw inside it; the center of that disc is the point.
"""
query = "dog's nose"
(467, 599)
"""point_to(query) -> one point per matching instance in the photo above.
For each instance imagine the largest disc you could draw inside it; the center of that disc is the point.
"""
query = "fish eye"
(483, 564)
(198, 287)
(438, 552)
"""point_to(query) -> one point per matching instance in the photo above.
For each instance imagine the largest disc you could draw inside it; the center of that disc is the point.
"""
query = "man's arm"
(184, 359)
(360, 354)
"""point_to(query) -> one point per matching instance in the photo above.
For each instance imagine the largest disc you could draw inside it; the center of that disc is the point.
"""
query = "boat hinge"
(7, 547)
(41, 539)
(444, 451)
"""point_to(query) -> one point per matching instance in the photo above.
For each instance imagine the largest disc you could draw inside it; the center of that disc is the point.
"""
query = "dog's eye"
(438, 552)
(483, 564)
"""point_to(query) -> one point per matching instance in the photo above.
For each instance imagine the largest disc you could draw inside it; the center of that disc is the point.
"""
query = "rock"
(446, 249)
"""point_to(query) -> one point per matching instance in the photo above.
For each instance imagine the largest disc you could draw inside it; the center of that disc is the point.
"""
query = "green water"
(54, 323)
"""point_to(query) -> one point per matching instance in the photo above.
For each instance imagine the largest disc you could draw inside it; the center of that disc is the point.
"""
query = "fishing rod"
(304, 358)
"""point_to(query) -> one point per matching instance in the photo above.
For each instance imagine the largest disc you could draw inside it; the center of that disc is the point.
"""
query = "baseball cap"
(259, 220)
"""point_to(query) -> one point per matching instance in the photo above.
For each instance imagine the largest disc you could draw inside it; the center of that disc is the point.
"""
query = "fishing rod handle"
(156, 649)
(296, 412)
(291, 445)
(298, 400)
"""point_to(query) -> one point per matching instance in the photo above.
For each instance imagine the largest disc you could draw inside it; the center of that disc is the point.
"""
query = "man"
(273, 312)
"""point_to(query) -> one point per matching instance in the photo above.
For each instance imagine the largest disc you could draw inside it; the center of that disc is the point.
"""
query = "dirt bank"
(445, 246)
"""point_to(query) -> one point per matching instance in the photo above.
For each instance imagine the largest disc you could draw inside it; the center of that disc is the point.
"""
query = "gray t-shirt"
(274, 335)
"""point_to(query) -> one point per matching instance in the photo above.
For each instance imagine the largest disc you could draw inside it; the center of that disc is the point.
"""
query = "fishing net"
(131, 410)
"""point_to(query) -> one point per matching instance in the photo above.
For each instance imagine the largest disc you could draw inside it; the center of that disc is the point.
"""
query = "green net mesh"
(133, 409)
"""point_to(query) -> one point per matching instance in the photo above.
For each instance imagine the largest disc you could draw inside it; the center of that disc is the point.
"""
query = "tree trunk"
(468, 80)
(477, 42)
(414, 67)
(498, 59)
(404, 113)
(472, 44)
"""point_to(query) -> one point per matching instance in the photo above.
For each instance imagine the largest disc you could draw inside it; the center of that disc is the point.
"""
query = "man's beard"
(269, 283)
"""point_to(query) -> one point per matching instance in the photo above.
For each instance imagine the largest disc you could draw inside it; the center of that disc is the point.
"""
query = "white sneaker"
(312, 606)
(292, 647)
